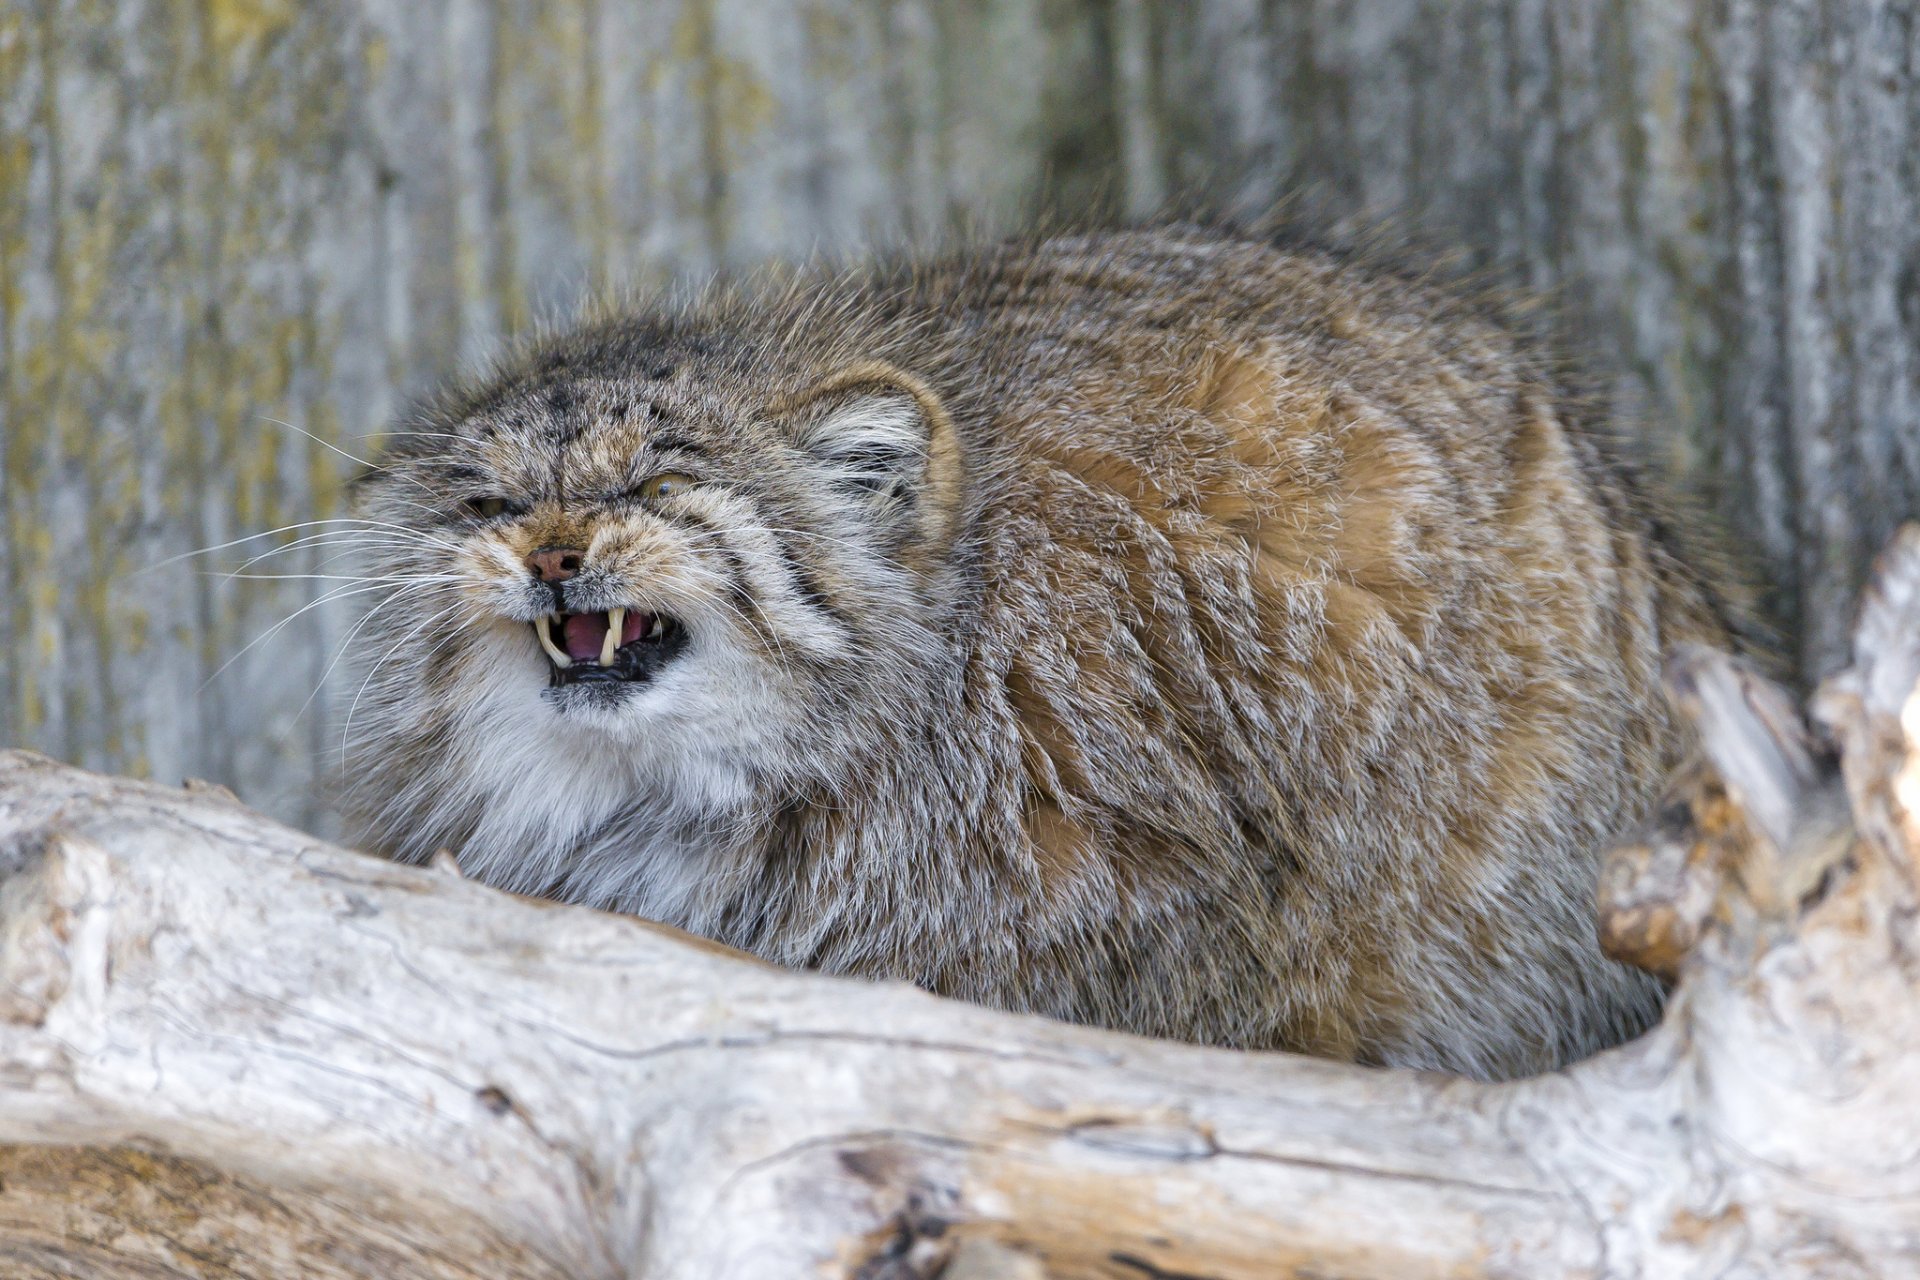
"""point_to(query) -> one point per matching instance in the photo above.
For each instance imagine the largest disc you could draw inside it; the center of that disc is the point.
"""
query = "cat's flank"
(1158, 629)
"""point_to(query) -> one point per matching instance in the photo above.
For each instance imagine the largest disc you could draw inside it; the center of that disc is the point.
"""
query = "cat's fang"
(616, 620)
(543, 628)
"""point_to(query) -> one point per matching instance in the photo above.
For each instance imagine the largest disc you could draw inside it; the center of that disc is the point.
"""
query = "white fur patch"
(871, 442)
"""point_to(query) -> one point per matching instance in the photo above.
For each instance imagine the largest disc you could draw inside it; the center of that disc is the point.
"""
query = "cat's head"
(640, 562)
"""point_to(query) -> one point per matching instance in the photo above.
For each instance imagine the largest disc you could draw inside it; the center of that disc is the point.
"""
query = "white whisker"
(374, 668)
(339, 593)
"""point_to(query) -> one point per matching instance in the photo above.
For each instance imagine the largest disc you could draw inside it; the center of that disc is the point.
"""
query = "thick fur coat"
(1160, 629)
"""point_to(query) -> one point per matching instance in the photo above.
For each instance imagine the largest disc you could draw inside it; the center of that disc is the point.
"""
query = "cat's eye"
(486, 508)
(667, 484)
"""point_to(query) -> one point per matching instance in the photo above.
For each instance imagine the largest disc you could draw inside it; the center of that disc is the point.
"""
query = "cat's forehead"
(582, 432)
(562, 410)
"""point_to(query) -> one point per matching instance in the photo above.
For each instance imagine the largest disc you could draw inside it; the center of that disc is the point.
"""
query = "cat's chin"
(591, 697)
(628, 717)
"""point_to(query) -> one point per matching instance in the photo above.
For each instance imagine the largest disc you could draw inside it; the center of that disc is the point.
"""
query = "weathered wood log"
(230, 1049)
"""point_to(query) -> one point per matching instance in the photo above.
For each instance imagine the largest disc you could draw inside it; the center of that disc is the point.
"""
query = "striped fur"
(1159, 629)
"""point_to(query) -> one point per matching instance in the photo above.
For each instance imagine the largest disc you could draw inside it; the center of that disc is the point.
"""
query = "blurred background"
(236, 236)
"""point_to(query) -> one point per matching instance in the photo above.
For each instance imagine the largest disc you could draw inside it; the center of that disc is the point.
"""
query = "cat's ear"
(881, 438)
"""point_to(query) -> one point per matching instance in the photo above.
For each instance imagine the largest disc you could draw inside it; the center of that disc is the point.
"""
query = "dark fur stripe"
(805, 583)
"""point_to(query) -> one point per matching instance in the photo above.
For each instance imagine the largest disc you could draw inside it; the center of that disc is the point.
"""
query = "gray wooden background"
(226, 225)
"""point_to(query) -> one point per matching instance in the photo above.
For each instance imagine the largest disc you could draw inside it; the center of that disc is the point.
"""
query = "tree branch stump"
(228, 1049)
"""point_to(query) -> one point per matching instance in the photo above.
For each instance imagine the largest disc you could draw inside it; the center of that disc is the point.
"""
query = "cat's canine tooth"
(616, 622)
(543, 629)
(659, 626)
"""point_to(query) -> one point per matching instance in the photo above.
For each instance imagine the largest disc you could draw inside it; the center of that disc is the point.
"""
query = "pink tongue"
(584, 634)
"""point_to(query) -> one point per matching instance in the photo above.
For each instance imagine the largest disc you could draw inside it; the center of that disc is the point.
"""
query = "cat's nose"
(555, 564)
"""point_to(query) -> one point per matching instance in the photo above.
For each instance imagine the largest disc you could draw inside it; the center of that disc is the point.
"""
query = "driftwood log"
(228, 1049)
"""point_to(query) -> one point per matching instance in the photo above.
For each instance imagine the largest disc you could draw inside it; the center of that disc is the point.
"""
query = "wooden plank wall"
(237, 235)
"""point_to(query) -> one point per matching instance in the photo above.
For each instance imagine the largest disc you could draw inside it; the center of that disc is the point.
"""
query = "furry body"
(1157, 629)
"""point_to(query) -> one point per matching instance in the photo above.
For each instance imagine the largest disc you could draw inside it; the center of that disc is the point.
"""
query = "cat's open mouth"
(617, 645)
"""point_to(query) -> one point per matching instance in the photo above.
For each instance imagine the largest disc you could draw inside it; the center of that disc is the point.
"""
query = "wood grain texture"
(218, 217)
(228, 1049)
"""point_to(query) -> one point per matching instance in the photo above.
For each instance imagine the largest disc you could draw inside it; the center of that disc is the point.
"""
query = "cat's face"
(602, 582)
